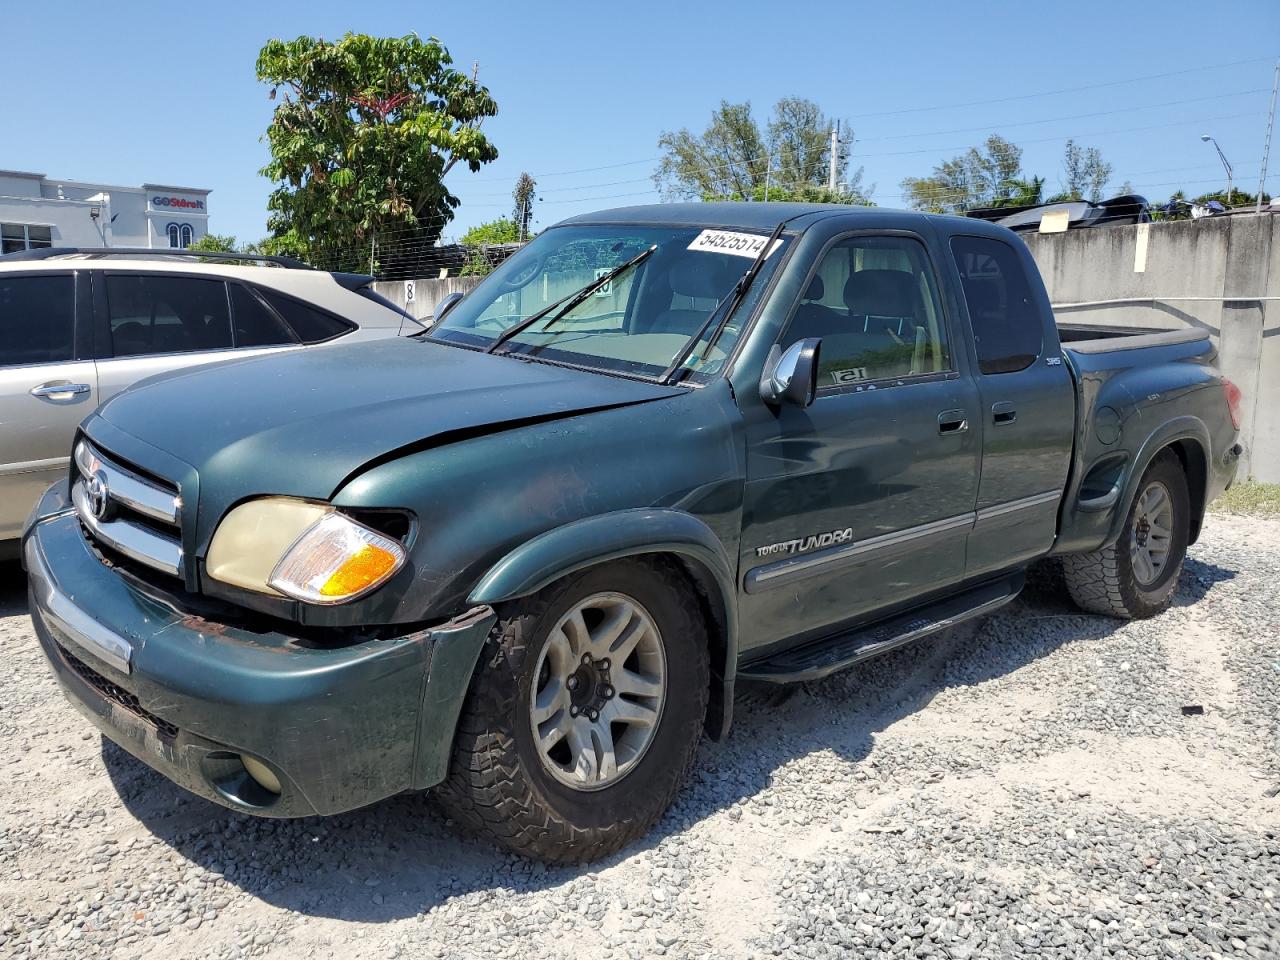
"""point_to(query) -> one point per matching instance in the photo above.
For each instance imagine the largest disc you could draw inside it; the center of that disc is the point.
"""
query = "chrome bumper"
(61, 611)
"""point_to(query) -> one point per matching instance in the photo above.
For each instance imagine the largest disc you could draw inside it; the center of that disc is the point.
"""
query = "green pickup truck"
(522, 557)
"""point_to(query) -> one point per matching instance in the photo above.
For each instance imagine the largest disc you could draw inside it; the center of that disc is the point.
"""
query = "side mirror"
(791, 375)
(444, 306)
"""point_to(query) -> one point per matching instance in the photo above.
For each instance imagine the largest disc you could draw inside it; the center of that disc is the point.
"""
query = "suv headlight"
(307, 551)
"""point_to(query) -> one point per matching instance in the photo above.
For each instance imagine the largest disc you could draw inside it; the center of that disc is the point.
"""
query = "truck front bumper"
(336, 728)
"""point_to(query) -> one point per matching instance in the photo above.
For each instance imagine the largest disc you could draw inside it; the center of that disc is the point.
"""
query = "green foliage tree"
(1237, 198)
(1023, 193)
(733, 158)
(361, 141)
(524, 195)
(216, 243)
(1086, 172)
(981, 177)
(850, 192)
(501, 230)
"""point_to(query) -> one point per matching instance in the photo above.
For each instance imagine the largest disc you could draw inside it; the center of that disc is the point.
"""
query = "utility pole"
(835, 144)
(768, 176)
(1266, 144)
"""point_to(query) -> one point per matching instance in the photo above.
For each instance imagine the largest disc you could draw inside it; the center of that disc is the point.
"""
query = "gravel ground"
(1029, 787)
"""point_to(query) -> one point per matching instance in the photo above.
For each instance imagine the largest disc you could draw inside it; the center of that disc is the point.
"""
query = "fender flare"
(1177, 429)
(629, 533)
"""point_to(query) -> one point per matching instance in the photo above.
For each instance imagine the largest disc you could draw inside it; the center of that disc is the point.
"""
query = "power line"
(930, 108)
(1073, 136)
(1054, 93)
(1078, 116)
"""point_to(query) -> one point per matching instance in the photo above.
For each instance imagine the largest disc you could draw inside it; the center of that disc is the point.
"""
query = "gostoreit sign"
(177, 203)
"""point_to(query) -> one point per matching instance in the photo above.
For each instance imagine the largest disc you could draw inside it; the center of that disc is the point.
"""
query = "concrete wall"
(1213, 274)
(427, 293)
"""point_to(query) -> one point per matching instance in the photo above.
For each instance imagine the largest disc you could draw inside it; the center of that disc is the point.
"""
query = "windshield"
(639, 321)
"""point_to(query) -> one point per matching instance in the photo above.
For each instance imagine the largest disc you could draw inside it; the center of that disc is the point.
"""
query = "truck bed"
(1087, 338)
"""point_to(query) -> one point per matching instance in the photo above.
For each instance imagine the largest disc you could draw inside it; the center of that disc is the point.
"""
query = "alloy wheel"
(598, 691)
(1151, 538)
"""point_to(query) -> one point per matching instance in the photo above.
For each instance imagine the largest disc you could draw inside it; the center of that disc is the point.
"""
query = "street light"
(1208, 139)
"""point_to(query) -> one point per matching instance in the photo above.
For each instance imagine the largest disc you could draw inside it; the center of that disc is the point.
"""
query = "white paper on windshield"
(726, 241)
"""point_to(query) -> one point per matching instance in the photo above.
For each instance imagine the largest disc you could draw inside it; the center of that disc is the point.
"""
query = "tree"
(215, 243)
(981, 177)
(362, 139)
(523, 195)
(735, 159)
(1023, 193)
(1086, 172)
(502, 230)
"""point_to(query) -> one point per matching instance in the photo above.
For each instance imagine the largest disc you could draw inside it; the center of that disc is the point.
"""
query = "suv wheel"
(584, 714)
(1136, 576)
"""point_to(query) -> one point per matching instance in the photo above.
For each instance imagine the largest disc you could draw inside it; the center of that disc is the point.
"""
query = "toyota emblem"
(98, 494)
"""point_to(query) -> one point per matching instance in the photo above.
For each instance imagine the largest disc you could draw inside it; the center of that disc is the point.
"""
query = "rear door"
(864, 500)
(153, 323)
(1028, 404)
(47, 386)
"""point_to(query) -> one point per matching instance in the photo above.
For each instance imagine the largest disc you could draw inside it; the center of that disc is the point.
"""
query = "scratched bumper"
(340, 728)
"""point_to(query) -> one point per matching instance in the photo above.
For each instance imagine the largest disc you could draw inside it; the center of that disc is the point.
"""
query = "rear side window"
(1006, 322)
(311, 325)
(255, 324)
(37, 319)
(157, 315)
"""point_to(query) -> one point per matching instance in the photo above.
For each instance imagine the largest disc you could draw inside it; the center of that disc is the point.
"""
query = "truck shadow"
(402, 857)
(13, 589)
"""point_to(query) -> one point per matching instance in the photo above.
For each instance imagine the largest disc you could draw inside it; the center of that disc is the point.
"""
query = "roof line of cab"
(765, 216)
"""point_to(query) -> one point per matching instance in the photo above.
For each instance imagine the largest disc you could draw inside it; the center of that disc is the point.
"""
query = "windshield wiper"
(732, 299)
(570, 301)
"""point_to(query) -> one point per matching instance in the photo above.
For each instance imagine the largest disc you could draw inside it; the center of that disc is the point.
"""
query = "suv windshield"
(638, 322)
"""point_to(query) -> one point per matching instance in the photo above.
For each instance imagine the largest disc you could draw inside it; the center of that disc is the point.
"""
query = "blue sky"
(151, 93)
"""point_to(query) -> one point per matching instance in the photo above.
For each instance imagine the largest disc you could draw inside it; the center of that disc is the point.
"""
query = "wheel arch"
(1187, 438)
(674, 536)
(1195, 464)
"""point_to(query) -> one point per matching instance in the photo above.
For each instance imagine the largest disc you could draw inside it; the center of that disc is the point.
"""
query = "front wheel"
(584, 714)
(1136, 576)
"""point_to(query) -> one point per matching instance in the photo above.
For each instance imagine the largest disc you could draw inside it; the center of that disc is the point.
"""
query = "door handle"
(1003, 412)
(59, 391)
(952, 421)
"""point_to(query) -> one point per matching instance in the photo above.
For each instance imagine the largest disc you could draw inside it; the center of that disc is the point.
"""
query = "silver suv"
(78, 326)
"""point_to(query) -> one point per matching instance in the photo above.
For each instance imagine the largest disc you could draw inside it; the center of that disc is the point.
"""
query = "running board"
(822, 657)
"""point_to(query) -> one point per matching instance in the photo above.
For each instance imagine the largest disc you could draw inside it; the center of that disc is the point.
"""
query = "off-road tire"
(498, 786)
(1103, 581)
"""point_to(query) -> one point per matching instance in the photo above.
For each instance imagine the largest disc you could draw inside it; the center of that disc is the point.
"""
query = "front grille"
(127, 512)
(116, 694)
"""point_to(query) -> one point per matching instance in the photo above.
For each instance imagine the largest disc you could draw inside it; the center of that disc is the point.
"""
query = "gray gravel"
(1029, 787)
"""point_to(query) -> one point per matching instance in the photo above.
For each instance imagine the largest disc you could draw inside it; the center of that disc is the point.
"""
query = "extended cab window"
(1006, 323)
(158, 314)
(874, 304)
(37, 319)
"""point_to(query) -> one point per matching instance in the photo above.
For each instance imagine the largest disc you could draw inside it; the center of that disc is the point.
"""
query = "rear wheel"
(1136, 576)
(584, 714)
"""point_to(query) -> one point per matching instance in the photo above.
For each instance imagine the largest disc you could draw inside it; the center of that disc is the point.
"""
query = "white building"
(38, 212)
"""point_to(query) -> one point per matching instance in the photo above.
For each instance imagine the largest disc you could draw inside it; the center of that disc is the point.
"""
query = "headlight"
(307, 551)
(337, 559)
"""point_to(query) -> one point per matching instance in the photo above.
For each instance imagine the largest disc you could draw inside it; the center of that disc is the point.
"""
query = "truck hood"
(302, 423)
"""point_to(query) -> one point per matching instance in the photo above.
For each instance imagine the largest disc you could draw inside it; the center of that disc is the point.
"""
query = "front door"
(864, 500)
(47, 386)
